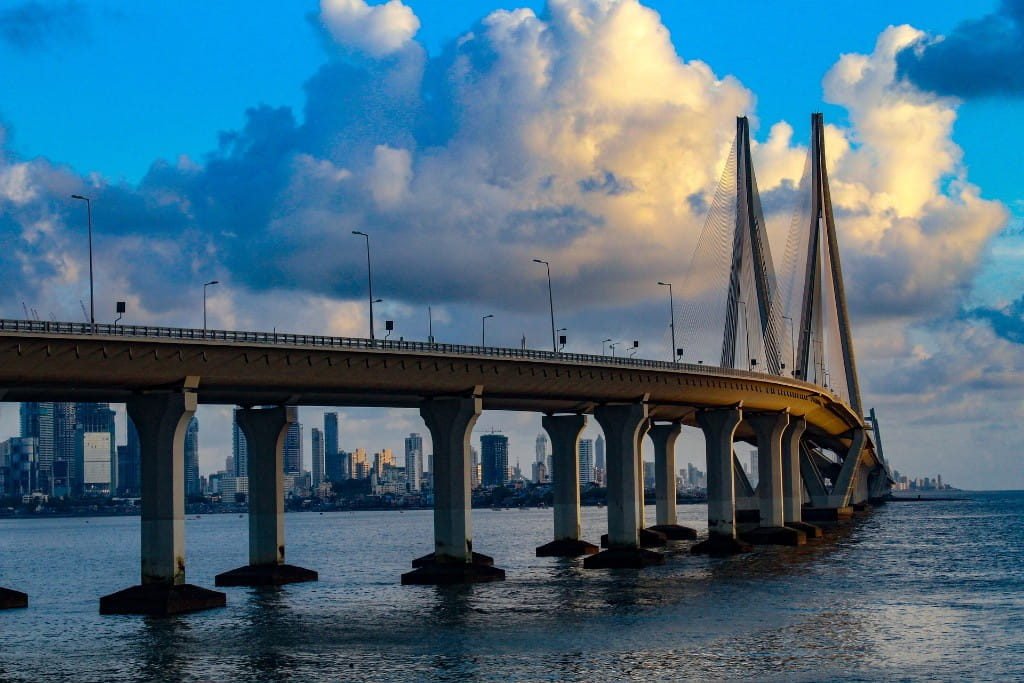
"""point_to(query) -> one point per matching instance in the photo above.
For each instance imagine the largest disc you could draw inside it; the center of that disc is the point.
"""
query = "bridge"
(817, 459)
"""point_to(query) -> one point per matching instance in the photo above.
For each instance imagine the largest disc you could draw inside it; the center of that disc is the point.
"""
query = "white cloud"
(378, 30)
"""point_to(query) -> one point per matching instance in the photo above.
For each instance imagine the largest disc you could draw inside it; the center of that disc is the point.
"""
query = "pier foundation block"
(567, 547)
(624, 558)
(430, 570)
(11, 599)
(721, 545)
(265, 575)
(161, 600)
(774, 535)
(674, 532)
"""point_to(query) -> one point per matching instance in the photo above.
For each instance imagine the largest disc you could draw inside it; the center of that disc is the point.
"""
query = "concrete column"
(664, 436)
(792, 483)
(769, 429)
(450, 421)
(161, 420)
(265, 430)
(623, 425)
(719, 427)
(564, 432)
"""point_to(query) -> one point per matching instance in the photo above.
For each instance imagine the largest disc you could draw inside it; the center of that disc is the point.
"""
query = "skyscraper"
(319, 456)
(239, 449)
(192, 458)
(586, 461)
(37, 422)
(541, 448)
(129, 479)
(94, 419)
(293, 444)
(414, 461)
(330, 436)
(599, 462)
(494, 459)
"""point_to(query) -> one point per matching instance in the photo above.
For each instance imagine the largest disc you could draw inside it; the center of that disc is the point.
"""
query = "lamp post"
(92, 306)
(483, 329)
(612, 346)
(672, 320)
(603, 342)
(746, 330)
(551, 305)
(369, 277)
(205, 285)
(792, 341)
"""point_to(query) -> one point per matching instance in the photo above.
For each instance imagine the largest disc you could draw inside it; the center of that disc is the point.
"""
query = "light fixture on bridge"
(672, 318)
(483, 328)
(551, 304)
(92, 300)
(389, 327)
(603, 342)
(119, 308)
(369, 277)
(205, 285)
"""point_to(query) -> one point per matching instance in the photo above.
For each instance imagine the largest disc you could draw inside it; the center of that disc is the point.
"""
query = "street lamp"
(603, 342)
(612, 346)
(483, 329)
(551, 304)
(205, 285)
(562, 339)
(369, 277)
(672, 323)
(746, 330)
(88, 209)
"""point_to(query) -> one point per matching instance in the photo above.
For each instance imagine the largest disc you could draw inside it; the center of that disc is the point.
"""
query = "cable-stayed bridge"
(774, 367)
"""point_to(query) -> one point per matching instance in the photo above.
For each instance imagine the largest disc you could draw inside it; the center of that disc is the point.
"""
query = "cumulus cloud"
(376, 29)
(981, 57)
(35, 25)
(580, 133)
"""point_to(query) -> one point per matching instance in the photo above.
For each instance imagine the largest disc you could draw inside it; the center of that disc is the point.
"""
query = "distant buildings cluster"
(68, 450)
(904, 483)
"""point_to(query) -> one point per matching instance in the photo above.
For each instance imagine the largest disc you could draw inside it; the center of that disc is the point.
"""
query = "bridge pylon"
(752, 283)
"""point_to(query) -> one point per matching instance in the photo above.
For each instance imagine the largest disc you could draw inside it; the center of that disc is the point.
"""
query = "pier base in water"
(647, 538)
(718, 545)
(810, 530)
(674, 532)
(774, 535)
(567, 547)
(10, 599)
(161, 600)
(266, 575)
(624, 558)
(429, 571)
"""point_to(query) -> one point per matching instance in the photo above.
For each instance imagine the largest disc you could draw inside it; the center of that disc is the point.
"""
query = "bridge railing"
(358, 343)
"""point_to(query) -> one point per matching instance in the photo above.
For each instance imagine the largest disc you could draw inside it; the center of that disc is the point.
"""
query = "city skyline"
(928, 215)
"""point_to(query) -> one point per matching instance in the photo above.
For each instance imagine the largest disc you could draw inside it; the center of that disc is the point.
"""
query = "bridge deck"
(79, 362)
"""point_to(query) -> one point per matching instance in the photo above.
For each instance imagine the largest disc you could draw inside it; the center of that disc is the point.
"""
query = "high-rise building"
(599, 462)
(19, 466)
(37, 422)
(330, 436)
(64, 422)
(359, 468)
(541, 448)
(319, 457)
(239, 449)
(414, 461)
(192, 458)
(293, 443)
(752, 473)
(336, 466)
(381, 460)
(129, 457)
(586, 461)
(94, 418)
(493, 459)
(474, 467)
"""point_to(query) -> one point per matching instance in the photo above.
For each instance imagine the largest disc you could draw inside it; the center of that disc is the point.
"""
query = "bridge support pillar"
(161, 421)
(769, 428)
(564, 432)
(792, 482)
(664, 436)
(623, 426)
(450, 421)
(265, 431)
(719, 427)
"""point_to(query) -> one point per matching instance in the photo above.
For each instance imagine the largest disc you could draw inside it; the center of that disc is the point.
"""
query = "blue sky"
(244, 142)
